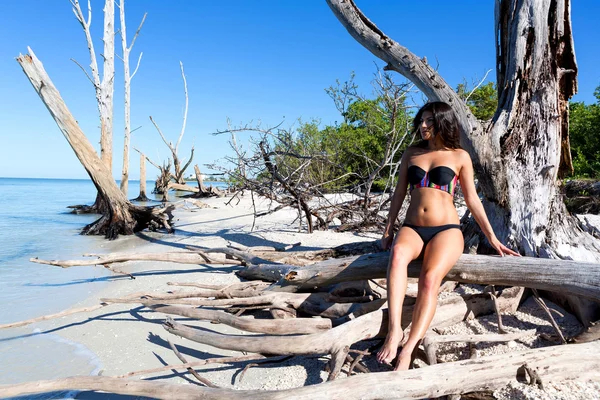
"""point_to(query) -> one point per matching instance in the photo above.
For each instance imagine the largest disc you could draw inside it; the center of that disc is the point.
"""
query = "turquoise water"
(35, 222)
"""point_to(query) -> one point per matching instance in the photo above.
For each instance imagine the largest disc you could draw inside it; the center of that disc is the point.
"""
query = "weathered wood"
(431, 341)
(52, 316)
(122, 217)
(492, 337)
(270, 326)
(217, 360)
(182, 257)
(519, 155)
(142, 196)
(179, 170)
(104, 88)
(573, 277)
(201, 379)
(347, 331)
(62, 313)
(318, 304)
(182, 187)
(127, 77)
(550, 363)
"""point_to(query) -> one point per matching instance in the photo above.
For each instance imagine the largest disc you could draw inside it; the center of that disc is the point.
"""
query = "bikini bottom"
(428, 232)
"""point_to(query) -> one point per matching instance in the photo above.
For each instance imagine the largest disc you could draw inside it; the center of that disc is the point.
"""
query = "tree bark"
(127, 76)
(105, 92)
(518, 158)
(199, 179)
(121, 216)
(104, 88)
(569, 277)
(142, 196)
(270, 326)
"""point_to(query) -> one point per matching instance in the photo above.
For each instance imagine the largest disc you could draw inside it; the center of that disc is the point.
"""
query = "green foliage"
(584, 136)
(483, 101)
(347, 153)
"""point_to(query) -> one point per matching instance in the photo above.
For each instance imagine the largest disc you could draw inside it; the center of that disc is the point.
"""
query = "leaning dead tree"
(120, 216)
(520, 154)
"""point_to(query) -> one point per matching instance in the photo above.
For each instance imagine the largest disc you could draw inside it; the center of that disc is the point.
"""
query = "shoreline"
(127, 337)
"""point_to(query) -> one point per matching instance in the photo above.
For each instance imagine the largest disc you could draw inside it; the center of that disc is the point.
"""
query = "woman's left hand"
(502, 249)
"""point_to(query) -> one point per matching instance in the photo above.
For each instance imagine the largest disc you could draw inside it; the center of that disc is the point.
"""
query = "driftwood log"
(337, 340)
(560, 276)
(573, 277)
(343, 319)
(547, 364)
(318, 304)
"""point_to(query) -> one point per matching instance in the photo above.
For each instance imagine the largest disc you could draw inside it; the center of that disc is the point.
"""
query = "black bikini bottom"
(428, 232)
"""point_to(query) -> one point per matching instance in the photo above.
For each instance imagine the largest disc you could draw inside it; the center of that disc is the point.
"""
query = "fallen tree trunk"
(562, 276)
(182, 187)
(485, 373)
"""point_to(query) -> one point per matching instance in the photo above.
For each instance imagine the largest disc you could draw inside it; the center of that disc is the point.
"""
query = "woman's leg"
(439, 257)
(407, 246)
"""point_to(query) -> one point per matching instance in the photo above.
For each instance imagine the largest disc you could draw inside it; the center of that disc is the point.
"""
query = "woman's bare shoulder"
(410, 151)
(462, 155)
(463, 159)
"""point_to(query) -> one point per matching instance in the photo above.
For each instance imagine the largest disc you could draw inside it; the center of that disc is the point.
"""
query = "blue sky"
(267, 60)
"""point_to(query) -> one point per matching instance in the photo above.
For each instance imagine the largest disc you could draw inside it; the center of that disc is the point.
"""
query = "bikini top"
(442, 178)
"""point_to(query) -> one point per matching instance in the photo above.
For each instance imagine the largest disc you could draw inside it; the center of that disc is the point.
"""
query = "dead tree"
(120, 216)
(178, 175)
(519, 156)
(127, 77)
(165, 176)
(391, 118)
(286, 168)
(104, 88)
(142, 196)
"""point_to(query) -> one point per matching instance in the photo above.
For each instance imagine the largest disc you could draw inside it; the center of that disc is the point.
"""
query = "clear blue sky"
(267, 60)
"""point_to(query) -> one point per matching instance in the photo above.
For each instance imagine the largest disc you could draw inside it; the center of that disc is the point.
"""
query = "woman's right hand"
(386, 241)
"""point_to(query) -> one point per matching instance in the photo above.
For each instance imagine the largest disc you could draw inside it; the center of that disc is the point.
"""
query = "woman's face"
(426, 125)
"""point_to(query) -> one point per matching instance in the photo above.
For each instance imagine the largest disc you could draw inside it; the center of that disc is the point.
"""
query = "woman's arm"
(474, 204)
(397, 200)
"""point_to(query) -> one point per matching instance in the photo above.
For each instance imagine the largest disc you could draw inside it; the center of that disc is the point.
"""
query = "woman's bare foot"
(388, 351)
(403, 362)
(406, 356)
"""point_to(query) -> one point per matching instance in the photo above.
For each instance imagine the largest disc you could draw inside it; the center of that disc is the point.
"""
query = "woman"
(431, 170)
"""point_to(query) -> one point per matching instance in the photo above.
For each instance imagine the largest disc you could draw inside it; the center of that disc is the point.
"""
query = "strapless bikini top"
(442, 178)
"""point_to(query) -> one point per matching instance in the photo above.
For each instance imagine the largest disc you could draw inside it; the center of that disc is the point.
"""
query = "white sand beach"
(129, 337)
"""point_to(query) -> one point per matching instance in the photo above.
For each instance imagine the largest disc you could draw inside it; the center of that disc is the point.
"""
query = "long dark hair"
(445, 124)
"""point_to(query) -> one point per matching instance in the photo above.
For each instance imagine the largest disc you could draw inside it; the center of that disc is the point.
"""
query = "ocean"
(35, 222)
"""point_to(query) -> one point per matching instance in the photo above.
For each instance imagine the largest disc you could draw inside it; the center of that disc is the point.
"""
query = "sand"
(128, 337)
